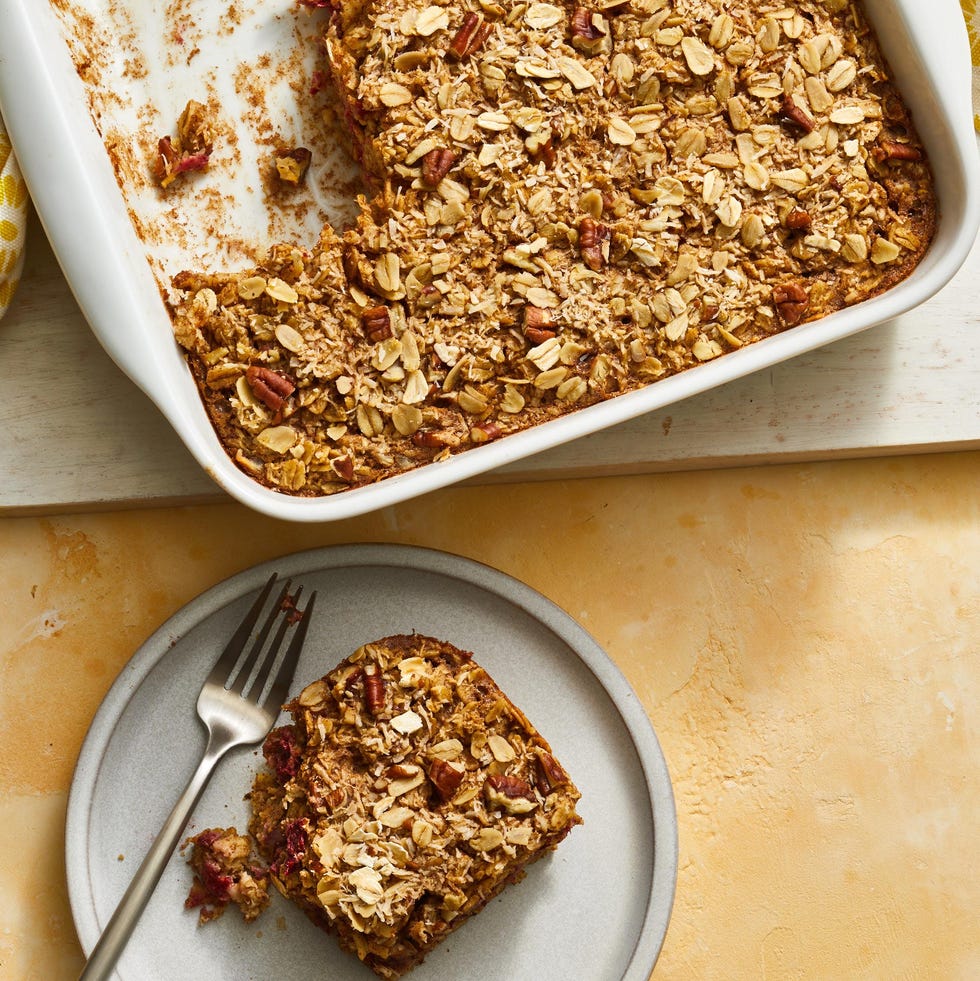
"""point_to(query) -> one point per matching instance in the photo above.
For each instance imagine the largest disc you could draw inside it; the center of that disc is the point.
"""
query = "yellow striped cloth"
(13, 221)
(971, 11)
(14, 201)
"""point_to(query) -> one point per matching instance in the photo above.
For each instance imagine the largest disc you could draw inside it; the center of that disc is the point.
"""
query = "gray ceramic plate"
(596, 909)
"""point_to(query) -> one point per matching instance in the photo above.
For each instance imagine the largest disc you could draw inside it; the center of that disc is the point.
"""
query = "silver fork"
(238, 704)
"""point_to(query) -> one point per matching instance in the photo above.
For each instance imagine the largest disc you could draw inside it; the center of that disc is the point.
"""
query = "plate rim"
(545, 612)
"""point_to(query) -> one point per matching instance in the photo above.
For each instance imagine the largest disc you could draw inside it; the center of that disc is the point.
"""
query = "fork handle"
(106, 952)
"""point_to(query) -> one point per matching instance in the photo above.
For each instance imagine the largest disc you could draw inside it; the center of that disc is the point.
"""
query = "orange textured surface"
(804, 639)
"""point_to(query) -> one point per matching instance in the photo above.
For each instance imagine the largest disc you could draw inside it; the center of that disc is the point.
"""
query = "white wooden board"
(76, 434)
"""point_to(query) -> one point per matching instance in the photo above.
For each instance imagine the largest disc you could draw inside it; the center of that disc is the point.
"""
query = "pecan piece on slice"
(436, 164)
(893, 150)
(509, 786)
(798, 220)
(374, 689)
(593, 239)
(269, 387)
(792, 301)
(548, 772)
(376, 322)
(512, 794)
(353, 676)
(470, 36)
(794, 116)
(445, 777)
(326, 799)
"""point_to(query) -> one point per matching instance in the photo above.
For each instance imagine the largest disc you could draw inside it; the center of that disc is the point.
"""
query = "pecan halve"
(709, 311)
(485, 432)
(794, 116)
(893, 150)
(539, 324)
(538, 335)
(548, 772)
(470, 36)
(376, 322)
(433, 439)
(436, 164)
(335, 798)
(792, 301)
(271, 388)
(512, 794)
(445, 777)
(509, 786)
(343, 467)
(798, 220)
(585, 32)
(592, 239)
(401, 771)
(374, 689)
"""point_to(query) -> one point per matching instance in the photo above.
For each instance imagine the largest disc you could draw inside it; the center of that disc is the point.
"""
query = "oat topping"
(573, 201)
(407, 793)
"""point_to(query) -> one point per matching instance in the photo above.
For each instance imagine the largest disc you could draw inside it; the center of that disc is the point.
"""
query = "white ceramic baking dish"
(117, 281)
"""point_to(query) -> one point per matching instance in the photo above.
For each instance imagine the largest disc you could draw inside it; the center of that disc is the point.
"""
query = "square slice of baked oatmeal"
(408, 791)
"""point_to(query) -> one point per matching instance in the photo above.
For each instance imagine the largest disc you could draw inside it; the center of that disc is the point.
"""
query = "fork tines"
(240, 667)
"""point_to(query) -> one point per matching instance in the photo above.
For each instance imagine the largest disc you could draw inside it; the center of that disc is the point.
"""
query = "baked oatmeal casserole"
(569, 202)
(407, 793)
